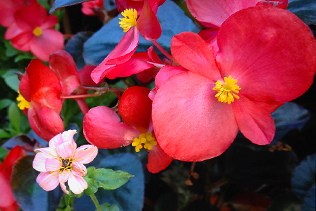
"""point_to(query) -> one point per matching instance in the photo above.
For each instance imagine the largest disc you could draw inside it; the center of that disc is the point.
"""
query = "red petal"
(255, 123)
(24, 87)
(189, 123)
(12, 157)
(22, 41)
(103, 128)
(214, 12)
(158, 160)
(135, 107)
(192, 52)
(51, 21)
(7, 9)
(148, 24)
(63, 65)
(85, 76)
(264, 53)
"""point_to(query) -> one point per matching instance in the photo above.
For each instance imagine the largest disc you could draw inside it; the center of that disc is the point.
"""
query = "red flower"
(92, 7)
(31, 31)
(103, 128)
(260, 65)
(7, 201)
(41, 88)
(147, 24)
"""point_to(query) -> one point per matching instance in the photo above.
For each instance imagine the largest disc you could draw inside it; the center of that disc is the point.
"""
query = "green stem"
(95, 201)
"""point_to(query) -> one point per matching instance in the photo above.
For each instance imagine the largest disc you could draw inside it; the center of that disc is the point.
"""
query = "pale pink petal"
(77, 184)
(52, 164)
(68, 136)
(189, 122)
(47, 152)
(47, 181)
(39, 162)
(79, 169)
(63, 187)
(56, 141)
(215, 12)
(50, 41)
(158, 160)
(66, 149)
(64, 176)
(254, 122)
(85, 153)
(265, 53)
(103, 128)
(193, 53)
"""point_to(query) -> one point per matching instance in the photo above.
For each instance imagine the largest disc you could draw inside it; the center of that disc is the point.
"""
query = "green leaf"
(105, 178)
(108, 207)
(11, 79)
(14, 116)
(5, 103)
(4, 134)
(3, 153)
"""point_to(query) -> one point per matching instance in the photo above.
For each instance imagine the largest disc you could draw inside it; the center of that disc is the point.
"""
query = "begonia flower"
(103, 128)
(62, 161)
(147, 24)
(264, 60)
(31, 31)
(40, 92)
(7, 201)
(92, 7)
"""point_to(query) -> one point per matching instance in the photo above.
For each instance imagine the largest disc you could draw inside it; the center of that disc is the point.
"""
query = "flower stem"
(163, 51)
(96, 202)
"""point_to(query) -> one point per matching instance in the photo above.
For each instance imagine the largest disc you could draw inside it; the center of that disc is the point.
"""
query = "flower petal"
(255, 123)
(264, 53)
(102, 127)
(85, 153)
(47, 181)
(193, 53)
(51, 21)
(50, 41)
(6, 196)
(39, 162)
(158, 160)
(52, 164)
(66, 149)
(77, 184)
(189, 122)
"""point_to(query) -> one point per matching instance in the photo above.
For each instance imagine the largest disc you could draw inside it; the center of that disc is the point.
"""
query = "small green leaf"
(105, 178)
(4, 134)
(11, 79)
(108, 207)
(14, 116)
(3, 153)
(4, 103)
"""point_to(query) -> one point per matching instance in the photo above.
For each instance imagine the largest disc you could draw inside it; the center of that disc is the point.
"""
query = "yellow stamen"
(226, 92)
(129, 20)
(37, 31)
(23, 104)
(145, 140)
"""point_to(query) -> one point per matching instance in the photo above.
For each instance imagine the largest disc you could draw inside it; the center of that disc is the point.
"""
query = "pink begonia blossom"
(62, 161)
(134, 22)
(31, 31)
(92, 7)
(260, 65)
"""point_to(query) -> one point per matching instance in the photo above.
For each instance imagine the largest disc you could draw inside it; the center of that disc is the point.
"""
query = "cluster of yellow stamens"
(226, 92)
(37, 31)
(145, 140)
(23, 104)
(65, 164)
(129, 20)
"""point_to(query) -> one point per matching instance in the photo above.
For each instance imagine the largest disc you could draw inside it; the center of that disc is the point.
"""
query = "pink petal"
(85, 76)
(22, 41)
(47, 181)
(56, 141)
(189, 122)
(63, 65)
(68, 136)
(50, 41)
(264, 53)
(6, 196)
(148, 24)
(255, 124)
(214, 12)
(103, 128)
(51, 21)
(120, 54)
(77, 184)
(12, 31)
(280, 3)
(47, 152)
(166, 72)
(52, 164)
(79, 169)
(158, 160)
(66, 149)
(64, 176)
(39, 162)
(7, 9)
(86, 153)
(193, 53)
(30, 17)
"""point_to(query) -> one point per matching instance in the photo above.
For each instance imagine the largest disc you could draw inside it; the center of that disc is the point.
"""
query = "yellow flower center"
(129, 20)
(23, 104)
(37, 31)
(226, 92)
(145, 140)
(65, 164)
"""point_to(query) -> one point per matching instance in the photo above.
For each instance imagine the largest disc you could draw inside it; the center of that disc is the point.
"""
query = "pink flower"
(7, 201)
(92, 7)
(62, 161)
(31, 31)
(147, 24)
(103, 127)
(260, 65)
